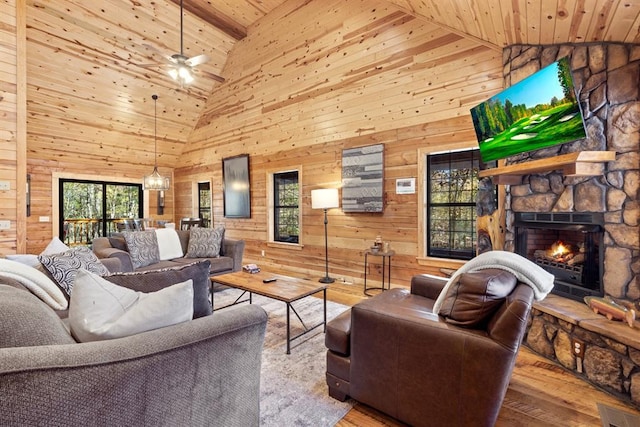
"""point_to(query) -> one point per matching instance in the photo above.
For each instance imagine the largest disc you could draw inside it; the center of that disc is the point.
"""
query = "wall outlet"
(5, 185)
(43, 219)
(262, 253)
(5, 225)
(577, 347)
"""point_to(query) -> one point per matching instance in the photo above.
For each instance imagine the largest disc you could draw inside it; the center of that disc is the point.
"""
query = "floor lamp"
(325, 198)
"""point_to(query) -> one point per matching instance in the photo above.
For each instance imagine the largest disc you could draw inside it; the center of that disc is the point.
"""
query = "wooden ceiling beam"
(208, 13)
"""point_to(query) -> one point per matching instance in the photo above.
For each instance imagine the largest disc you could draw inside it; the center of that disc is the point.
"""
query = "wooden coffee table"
(284, 288)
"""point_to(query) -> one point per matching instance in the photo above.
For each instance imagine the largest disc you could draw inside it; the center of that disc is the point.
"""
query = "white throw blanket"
(540, 280)
(36, 281)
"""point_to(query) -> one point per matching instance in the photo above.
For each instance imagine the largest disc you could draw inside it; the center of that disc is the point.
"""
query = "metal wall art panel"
(363, 179)
(237, 187)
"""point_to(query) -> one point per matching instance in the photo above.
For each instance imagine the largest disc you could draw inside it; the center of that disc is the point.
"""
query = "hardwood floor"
(541, 393)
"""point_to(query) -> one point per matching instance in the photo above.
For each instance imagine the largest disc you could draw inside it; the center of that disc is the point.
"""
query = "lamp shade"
(155, 181)
(324, 198)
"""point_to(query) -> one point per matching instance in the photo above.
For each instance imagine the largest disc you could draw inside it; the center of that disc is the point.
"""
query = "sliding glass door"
(89, 209)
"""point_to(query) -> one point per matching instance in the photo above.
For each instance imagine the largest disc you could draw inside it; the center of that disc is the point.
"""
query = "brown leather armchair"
(394, 354)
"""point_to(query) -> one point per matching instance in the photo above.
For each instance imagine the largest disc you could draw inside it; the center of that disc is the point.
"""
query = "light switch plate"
(5, 225)
(5, 185)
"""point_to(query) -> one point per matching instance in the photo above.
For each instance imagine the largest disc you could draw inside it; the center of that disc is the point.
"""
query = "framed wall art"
(237, 187)
(363, 179)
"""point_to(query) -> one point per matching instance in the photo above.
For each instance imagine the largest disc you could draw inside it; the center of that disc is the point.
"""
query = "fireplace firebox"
(568, 245)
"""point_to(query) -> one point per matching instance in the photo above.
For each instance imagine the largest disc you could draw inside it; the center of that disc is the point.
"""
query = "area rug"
(293, 390)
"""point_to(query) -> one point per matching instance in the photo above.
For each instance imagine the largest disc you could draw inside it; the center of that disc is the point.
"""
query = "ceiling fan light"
(188, 78)
(184, 73)
(173, 73)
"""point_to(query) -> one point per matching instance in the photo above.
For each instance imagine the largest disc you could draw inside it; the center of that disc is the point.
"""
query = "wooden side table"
(386, 269)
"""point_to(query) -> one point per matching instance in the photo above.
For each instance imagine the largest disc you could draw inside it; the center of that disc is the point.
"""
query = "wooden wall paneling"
(10, 132)
(341, 95)
(21, 127)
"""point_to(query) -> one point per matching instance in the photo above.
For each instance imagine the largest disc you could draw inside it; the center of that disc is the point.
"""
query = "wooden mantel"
(583, 163)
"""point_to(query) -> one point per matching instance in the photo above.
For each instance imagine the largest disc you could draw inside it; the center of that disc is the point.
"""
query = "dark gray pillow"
(475, 296)
(154, 280)
(25, 321)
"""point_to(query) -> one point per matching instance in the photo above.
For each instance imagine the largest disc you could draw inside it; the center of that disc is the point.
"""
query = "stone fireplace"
(568, 245)
(607, 79)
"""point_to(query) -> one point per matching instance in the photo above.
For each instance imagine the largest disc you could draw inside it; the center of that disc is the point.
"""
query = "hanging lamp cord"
(155, 131)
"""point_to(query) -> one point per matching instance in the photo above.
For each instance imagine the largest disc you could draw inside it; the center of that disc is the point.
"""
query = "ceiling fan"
(181, 68)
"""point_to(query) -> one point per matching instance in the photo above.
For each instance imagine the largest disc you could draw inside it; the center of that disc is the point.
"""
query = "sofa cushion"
(102, 310)
(63, 266)
(218, 265)
(153, 280)
(473, 297)
(168, 244)
(26, 321)
(142, 247)
(205, 242)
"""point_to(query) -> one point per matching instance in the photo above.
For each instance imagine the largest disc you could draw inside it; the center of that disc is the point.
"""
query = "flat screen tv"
(537, 112)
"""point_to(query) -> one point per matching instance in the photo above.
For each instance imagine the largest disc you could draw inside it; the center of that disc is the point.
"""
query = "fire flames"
(559, 249)
(562, 252)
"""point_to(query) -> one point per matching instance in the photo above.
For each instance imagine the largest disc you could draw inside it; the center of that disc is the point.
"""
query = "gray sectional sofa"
(197, 373)
(230, 259)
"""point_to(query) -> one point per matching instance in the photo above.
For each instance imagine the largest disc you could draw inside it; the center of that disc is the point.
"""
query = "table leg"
(324, 297)
(288, 330)
(383, 271)
(365, 273)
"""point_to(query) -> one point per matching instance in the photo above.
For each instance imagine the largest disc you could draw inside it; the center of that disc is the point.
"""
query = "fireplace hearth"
(568, 245)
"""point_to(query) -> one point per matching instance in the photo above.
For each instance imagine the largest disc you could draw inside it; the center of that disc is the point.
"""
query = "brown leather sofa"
(394, 354)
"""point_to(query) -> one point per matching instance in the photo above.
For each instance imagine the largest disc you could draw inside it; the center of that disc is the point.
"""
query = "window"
(452, 186)
(204, 203)
(90, 209)
(286, 212)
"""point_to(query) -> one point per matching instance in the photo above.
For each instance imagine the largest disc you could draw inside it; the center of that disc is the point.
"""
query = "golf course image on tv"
(537, 112)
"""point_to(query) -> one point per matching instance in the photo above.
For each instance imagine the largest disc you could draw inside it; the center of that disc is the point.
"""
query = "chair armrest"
(125, 259)
(234, 249)
(113, 264)
(186, 374)
(427, 285)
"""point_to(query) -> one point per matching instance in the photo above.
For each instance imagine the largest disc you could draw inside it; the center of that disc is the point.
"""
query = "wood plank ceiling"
(93, 66)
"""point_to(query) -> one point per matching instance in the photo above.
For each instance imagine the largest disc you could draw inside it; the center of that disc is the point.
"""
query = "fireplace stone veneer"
(607, 77)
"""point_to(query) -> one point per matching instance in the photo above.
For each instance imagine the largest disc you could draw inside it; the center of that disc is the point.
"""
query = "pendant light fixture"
(155, 181)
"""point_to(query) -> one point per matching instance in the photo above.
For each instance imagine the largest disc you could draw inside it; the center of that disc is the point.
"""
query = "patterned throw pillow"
(64, 266)
(143, 247)
(205, 242)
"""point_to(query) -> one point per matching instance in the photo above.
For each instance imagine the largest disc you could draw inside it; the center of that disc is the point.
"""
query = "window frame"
(55, 193)
(270, 217)
(103, 184)
(423, 259)
(467, 157)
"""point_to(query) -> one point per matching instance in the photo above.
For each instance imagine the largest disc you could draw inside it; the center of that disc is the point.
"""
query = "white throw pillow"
(101, 310)
(26, 259)
(55, 246)
(168, 244)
